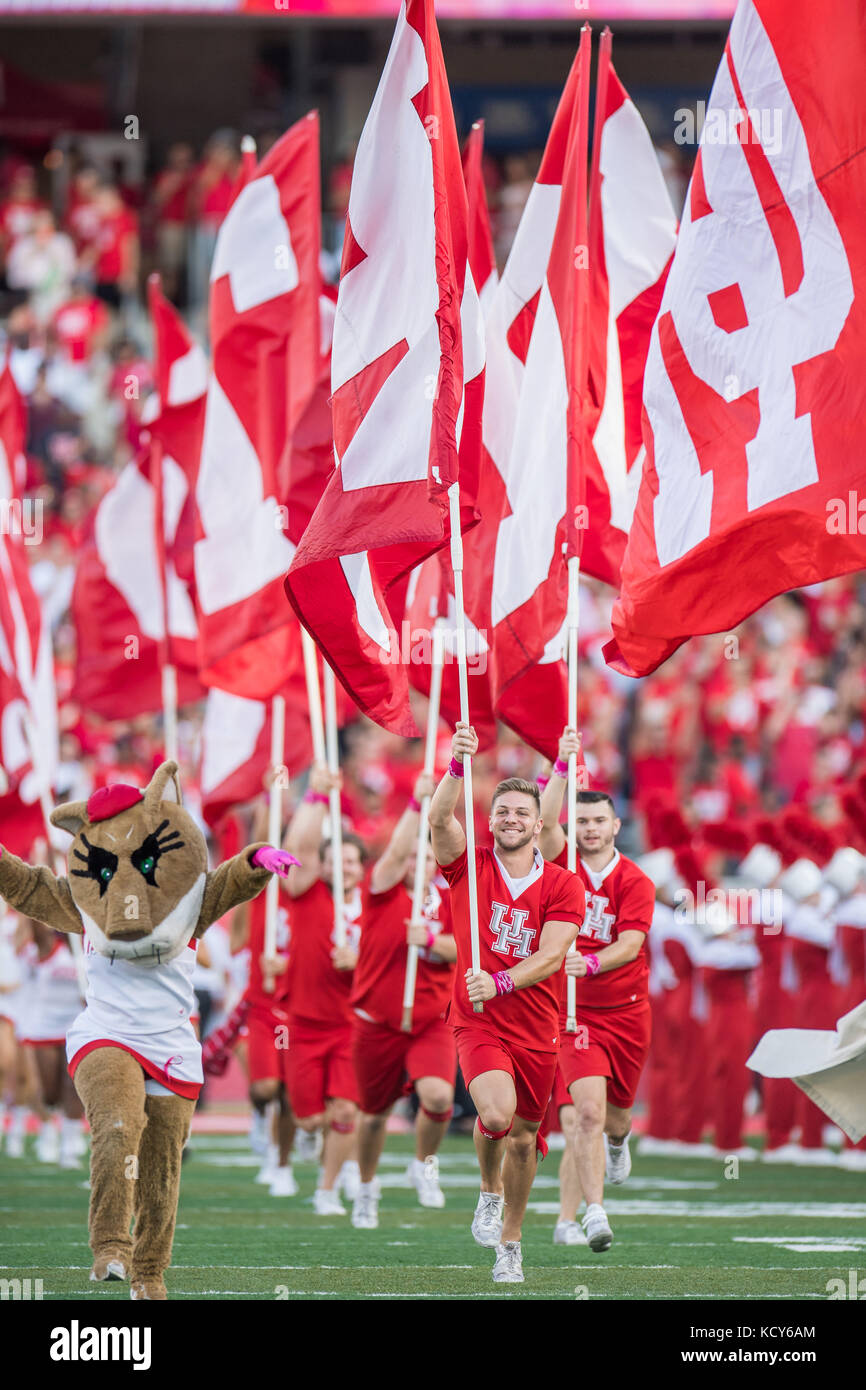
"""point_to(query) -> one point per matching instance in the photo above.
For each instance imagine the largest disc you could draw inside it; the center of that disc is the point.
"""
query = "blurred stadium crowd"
(755, 736)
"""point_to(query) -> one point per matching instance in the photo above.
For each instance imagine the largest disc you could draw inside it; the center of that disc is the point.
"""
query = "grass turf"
(682, 1230)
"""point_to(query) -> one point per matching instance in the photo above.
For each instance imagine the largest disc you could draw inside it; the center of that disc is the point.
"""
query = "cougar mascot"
(140, 893)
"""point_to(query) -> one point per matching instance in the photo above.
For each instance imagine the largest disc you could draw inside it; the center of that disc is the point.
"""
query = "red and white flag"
(131, 601)
(632, 235)
(401, 360)
(755, 385)
(516, 585)
(265, 335)
(482, 259)
(28, 703)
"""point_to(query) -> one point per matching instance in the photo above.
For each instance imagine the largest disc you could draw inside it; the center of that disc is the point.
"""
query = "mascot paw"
(277, 860)
(148, 1289)
(108, 1268)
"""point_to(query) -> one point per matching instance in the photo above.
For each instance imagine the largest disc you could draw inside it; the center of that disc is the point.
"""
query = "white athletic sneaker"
(308, 1145)
(271, 1163)
(569, 1233)
(423, 1173)
(487, 1221)
(349, 1179)
(597, 1230)
(745, 1153)
(48, 1143)
(365, 1211)
(854, 1159)
(284, 1183)
(783, 1153)
(617, 1161)
(15, 1143)
(259, 1133)
(327, 1202)
(508, 1268)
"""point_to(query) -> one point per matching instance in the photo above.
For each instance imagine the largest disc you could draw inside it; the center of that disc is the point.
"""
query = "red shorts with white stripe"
(609, 1042)
(267, 1044)
(319, 1068)
(533, 1072)
(388, 1063)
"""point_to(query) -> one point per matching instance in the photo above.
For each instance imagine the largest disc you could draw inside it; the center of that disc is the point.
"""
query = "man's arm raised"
(392, 867)
(551, 841)
(304, 835)
(449, 839)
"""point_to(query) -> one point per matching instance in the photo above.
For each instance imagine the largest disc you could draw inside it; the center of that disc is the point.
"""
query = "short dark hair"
(518, 784)
(348, 839)
(592, 798)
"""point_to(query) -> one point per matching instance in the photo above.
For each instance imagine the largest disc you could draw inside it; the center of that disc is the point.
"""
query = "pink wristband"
(504, 982)
(592, 965)
(455, 769)
(414, 804)
(560, 768)
(318, 797)
(431, 938)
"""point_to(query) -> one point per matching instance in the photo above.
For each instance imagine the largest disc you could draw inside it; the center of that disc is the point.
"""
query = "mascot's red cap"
(110, 801)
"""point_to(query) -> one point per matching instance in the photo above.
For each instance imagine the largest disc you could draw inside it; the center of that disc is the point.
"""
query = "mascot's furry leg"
(157, 1191)
(111, 1085)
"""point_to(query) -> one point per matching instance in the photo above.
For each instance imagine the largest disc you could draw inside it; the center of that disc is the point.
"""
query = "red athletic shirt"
(621, 898)
(77, 323)
(255, 990)
(381, 970)
(509, 930)
(318, 993)
(113, 235)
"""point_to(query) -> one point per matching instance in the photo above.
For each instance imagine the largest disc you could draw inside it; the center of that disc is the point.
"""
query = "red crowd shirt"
(509, 929)
(620, 898)
(381, 970)
(255, 991)
(76, 324)
(110, 241)
(318, 993)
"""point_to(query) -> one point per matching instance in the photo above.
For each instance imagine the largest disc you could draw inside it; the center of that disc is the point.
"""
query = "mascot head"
(137, 868)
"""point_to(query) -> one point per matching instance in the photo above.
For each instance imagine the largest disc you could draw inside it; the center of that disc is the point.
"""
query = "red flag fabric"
(755, 382)
(28, 704)
(236, 738)
(516, 585)
(398, 376)
(632, 234)
(136, 567)
(264, 314)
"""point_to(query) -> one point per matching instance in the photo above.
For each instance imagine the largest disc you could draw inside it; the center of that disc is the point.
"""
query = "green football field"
(682, 1229)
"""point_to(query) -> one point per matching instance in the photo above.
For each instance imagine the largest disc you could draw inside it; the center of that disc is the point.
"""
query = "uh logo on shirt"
(597, 922)
(510, 930)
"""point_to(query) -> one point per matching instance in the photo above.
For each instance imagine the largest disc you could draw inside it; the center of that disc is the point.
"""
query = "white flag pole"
(471, 874)
(275, 826)
(314, 696)
(573, 621)
(334, 798)
(169, 710)
(423, 821)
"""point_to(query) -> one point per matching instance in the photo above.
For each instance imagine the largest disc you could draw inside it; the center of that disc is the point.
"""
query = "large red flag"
(516, 584)
(131, 602)
(398, 376)
(632, 234)
(265, 333)
(755, 386)
(28, 704)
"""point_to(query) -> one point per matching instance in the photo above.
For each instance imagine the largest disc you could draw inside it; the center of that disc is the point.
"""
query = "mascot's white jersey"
(146, 1010)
